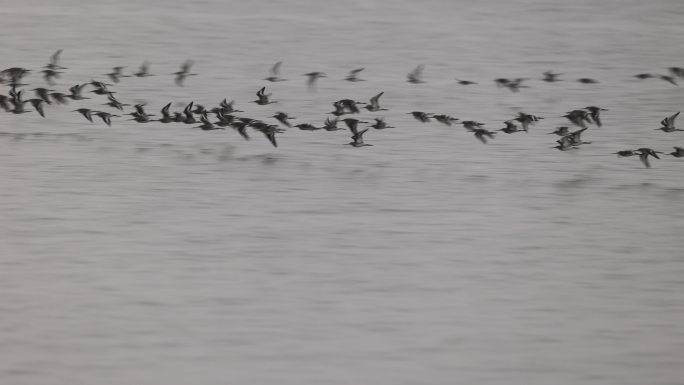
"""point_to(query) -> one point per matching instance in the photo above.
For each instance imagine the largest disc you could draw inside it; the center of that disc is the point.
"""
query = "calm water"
(156, 254)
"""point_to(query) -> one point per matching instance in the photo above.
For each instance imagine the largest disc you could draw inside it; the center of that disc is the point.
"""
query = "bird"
(207, 125)
(4, 103)
(307, 127)
(357, 139)
(667, 124)
(564, 144)
(76, 92)
(575, 138)
(550, 77)
(144, 70)
(166, 116)
(678, 152)
(561, 131)
(578, 117)
(100, 88)
(189, 117)
(59, 98)
(526, 119)
(465, 82)
(331, 124)
(117, 73)
(275, 73)
(43, 93)
(241, 127)
(516, 84)
(482, 134)
(353, 75)
(269, 131)
(374, 104)
(38, 105)
(113, 102)
(594, 112)
(183, 73)
(471, 124)
(105, 116)
(86, 112)
(510, 127)
(380, 124)
(49, 75)
(587, 81)
(415, 76)
(644, 153)
(282, 117)
(420, 116)
(676, 71)
(445, 119)
(626, 153)
(228, 108)
(668, 79)
(54, 61)
(263, 97)
(313, 78)
(352, 123)
(643, 76)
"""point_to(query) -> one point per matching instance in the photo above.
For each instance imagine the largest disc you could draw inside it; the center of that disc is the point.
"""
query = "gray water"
(157, 254)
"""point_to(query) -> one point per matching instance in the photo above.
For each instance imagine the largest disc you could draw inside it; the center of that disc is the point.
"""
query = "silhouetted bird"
(561, 131)
(445, 119)
(465, 82)
(668, 79)
(422, 117)
(307, 127)
(676, 71)
(482, 134)
(313, 78)
(54, 61)
(117, 73)
(275, 73)
(668, 124)
(184, 72)
(282, 118)
(416, 75)
(678, 152)
(595, 112)
(144, 70)
(380, 124)
(643, 76)
(113, 102)
(510, 127)
(587, 81)
(644, 153)
(375, 103)
(353, 75)
(49, 76)
(105, 116)
(43, 93)
(263, 97)
(550, 77)
(331, 125)
(38, 105)
(626, 153)
(86, 112)
(76, 92)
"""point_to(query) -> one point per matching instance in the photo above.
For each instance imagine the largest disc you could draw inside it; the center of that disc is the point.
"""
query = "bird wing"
(375, 100)
(54, 59)
(185, 67)
(275, 70)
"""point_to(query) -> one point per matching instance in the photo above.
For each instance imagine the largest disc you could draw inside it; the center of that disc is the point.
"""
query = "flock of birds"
(226, 115)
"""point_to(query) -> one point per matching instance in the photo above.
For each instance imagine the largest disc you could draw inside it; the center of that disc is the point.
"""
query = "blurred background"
(160, 254)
